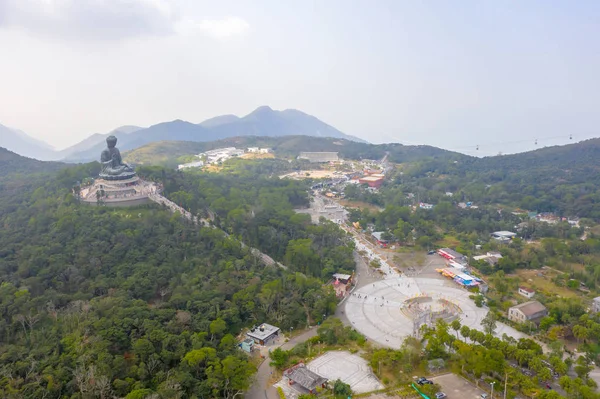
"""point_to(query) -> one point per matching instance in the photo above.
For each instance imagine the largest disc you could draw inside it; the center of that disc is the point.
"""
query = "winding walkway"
(161, 200)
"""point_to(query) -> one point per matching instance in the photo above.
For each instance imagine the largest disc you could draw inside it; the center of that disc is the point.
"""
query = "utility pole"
(492, 383)
(505, 383)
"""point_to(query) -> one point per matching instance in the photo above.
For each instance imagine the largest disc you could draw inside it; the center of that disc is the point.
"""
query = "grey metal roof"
(304, 377)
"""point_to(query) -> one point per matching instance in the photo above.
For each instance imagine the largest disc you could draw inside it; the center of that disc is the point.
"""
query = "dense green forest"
(260, 211)
(562, 179)
(98, 302)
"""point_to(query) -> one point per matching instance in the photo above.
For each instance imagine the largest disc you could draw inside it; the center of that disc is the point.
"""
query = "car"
(421, 379)
(440, 395)
(484, 396)
(431, 253)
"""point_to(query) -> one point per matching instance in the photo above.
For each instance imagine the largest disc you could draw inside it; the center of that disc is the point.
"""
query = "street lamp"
(492, 383)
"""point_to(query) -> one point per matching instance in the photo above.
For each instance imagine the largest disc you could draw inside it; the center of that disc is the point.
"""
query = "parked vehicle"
(440, 395)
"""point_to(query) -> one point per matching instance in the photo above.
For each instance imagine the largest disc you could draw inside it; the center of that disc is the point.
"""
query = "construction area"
(312, 174)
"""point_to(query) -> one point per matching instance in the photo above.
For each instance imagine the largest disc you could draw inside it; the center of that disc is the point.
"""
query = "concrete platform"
(351, 369)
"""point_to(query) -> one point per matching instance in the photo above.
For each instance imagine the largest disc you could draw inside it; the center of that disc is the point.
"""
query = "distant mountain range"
(20, 143)
(263, 121)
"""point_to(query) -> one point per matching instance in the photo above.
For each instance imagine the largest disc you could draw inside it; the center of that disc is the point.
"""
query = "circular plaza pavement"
(385, 311)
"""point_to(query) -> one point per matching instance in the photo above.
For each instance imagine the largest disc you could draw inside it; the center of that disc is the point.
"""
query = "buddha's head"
(111, 141)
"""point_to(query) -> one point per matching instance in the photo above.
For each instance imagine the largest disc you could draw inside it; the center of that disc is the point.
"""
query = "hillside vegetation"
(102, 303)
(168, 152)
(562, 179)
(11, 164)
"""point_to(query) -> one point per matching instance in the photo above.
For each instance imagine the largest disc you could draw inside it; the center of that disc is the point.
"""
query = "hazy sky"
(448, 73)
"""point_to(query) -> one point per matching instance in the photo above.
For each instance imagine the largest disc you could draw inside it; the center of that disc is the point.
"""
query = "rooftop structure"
(460, 277)
(342, 277)
(303, 378)
(221, 154)
(526, 292)
(378, 236)
(247, 345)
(319, 157)
(372, 181)
(197, 164)
(491, 257)
(263, 333)
(424, 205)
(504, 235)
(259, 150)
(529, 311)
(451, 254)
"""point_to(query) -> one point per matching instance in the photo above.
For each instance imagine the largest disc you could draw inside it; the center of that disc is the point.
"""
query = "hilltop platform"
(125, 192)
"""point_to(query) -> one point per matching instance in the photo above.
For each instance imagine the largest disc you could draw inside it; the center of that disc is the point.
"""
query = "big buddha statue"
(113, 167)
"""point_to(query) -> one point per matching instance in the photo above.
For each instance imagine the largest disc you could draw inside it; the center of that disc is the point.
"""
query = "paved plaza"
(384, 310)
(351, 369)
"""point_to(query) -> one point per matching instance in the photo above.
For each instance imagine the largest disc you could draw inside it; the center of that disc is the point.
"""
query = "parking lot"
(457, 387)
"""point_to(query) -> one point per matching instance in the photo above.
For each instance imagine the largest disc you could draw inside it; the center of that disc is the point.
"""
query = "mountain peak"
(263, 109)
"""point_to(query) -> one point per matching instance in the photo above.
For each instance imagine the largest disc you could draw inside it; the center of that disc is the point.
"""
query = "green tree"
(465, 331)
(489, 322)
(217, 328)
(341, 389)
(456, 326)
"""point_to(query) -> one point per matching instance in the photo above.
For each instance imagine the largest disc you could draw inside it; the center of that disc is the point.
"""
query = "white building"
(221, 154)
(526, 292)
(197, 164)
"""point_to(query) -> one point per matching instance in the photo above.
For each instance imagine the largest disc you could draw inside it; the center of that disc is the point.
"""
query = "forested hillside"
(561, 179)
(260, 212)
(11, 163)
(97, 302)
